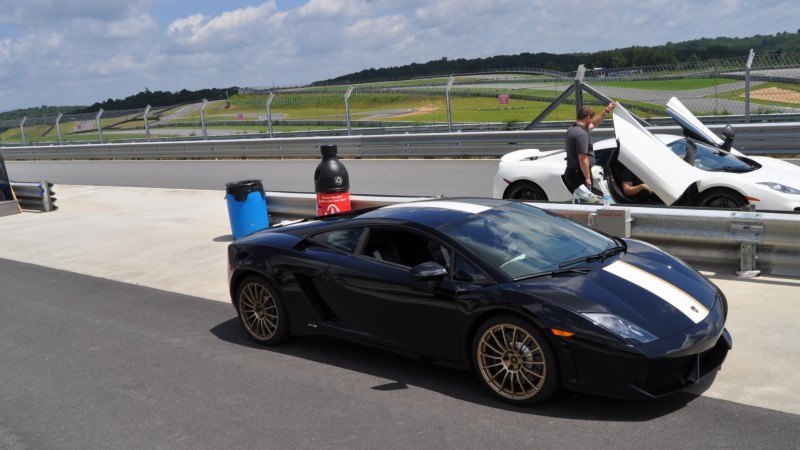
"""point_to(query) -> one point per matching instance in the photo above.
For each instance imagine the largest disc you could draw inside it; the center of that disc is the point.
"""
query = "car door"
(688, 121)
(691, 124)
(372, 293)
(651, 160)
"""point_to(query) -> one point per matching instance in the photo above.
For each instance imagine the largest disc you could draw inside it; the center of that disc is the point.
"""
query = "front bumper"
(652, 370)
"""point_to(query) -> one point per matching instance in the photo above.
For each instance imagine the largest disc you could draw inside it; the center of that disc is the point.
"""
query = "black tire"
(525, 190)
(509, 353)
(261, 311)
(721, 198)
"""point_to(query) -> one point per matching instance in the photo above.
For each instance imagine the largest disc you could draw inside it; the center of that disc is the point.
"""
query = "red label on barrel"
(332, 203)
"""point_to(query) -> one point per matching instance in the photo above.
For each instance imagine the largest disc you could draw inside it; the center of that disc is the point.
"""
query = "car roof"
(434, 213)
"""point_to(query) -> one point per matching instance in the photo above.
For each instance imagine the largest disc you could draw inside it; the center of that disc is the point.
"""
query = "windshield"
(522, 240)
(711, 159)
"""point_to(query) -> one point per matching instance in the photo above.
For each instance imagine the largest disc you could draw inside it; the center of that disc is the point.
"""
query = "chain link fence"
(500, 100)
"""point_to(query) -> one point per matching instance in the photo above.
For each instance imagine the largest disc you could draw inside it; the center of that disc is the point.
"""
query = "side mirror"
(428, 271)
(729, 134)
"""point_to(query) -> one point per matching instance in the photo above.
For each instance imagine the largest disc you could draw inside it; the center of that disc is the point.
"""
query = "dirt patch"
(417, 112)
(775, 94)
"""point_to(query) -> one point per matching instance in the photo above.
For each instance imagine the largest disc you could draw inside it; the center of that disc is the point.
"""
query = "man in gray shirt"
(580, 152)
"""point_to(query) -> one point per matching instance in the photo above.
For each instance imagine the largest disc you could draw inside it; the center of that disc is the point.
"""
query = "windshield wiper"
(555, 273)
(598, 257)
(734, 169)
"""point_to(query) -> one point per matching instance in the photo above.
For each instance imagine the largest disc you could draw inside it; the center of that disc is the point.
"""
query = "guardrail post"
(347, 107)
(99, 128)
(22, 130)
(58, 128)
(747, 228)
(447, 102)
(146, 124)
(747, 86)
(203, 118)
(579, 88)
(269, 112)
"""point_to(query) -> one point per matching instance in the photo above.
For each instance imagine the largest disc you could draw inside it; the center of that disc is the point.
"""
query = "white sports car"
(718, 176)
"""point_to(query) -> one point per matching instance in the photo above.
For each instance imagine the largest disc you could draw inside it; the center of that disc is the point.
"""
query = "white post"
(146, 124)
(347, 107)
(579, 88)
(99, 128)
(203, 118)
(58, 128)
(447, 103)
(22, 130)
(747, 86)
(269, 112)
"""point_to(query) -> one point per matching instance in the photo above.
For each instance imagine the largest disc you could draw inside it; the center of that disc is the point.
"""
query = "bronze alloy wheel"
(259, 311)
(511, 362)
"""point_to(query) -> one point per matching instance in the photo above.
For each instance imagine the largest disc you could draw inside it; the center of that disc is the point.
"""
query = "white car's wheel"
(524, 190)
(721, 198)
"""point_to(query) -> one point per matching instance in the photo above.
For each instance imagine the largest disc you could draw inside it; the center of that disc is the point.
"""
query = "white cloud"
(330, 8)
(198, 28)
(131, 27)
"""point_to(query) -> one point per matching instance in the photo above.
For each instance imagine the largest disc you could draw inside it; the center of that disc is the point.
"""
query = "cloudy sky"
(58, 52)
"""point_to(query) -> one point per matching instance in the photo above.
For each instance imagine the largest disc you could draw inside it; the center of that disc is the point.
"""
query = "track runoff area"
(116, 332)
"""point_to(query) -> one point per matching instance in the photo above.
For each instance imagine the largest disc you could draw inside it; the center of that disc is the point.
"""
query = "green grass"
(471, 103)
(685, 84)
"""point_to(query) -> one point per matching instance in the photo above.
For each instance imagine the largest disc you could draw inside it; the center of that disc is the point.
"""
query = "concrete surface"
(175, 240)
(168, 239)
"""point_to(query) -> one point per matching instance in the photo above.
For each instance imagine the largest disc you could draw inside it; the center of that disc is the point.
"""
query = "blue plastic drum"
(247, 207)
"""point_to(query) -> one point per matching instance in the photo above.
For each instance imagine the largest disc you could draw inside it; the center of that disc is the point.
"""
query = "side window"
(403, 247)
(345, 239)
(465, 271)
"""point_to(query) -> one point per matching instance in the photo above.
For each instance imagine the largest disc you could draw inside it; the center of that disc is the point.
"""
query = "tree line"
(635, 56)
(136, 101)
(160, 98)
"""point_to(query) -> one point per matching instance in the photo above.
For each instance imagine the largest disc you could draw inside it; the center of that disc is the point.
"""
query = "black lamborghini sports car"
(530, 300)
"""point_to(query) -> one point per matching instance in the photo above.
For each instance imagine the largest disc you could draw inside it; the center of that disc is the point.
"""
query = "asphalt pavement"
(367, 176)
(93, 363)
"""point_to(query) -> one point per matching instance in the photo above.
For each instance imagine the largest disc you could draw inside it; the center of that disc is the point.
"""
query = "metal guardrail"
(782, 138)
(35, 195)
(723, 240)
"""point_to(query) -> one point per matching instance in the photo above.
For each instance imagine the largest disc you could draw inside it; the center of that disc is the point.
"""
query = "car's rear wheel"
(525, 190)
(721, 198)
(261, 311)
(514, 361)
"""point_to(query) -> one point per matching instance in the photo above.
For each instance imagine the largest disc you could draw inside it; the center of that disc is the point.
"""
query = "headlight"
(780, 187)
(621, 327)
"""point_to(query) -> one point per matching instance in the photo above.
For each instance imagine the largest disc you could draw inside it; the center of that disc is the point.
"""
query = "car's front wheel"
(514, 361)
(721, 198)
(261, 311)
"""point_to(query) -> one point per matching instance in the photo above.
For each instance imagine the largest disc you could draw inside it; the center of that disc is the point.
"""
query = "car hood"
(645, 286)
(768, 165)
(771, 174)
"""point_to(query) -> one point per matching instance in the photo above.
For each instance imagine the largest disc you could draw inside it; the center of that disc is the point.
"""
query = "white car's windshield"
(711, 159)
(523, 241)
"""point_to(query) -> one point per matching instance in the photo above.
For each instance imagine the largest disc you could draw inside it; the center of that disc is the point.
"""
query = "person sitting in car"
(635, 189)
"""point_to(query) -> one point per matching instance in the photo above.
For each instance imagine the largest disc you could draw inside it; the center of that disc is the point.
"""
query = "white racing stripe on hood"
(676, 297)
(455, 206)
